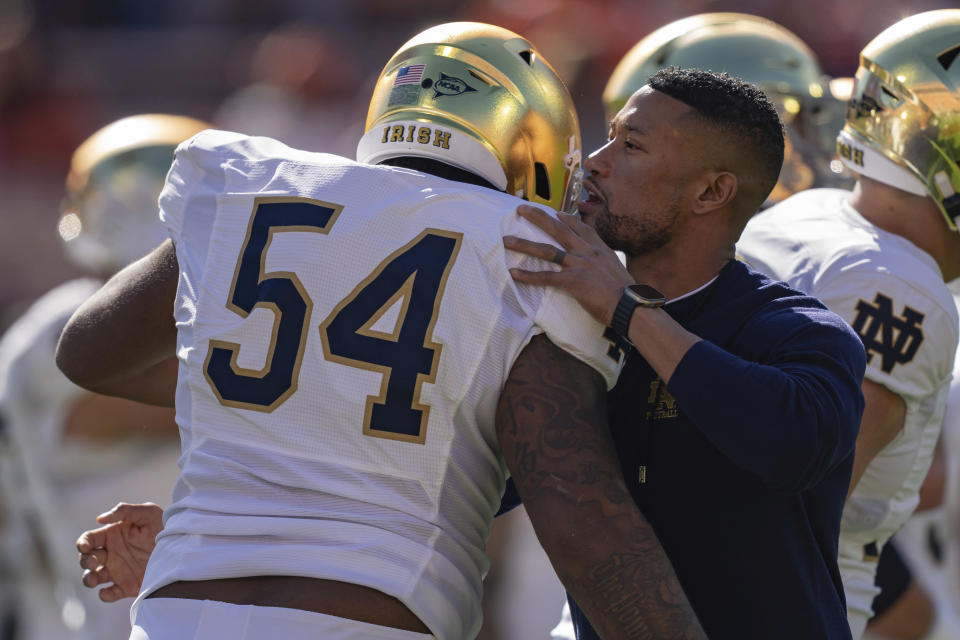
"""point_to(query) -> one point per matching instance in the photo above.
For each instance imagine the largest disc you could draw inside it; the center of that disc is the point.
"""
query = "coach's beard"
(637, 235)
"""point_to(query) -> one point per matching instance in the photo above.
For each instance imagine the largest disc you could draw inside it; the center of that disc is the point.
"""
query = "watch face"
(647, 292)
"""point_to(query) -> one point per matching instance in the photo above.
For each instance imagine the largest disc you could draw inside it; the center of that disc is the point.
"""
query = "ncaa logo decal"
(450, 86)
(895, 338)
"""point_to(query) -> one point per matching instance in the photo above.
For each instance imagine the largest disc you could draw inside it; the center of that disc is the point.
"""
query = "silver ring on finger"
(559, 256)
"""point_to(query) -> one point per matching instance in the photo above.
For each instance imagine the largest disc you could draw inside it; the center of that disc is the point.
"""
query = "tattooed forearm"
(551, 421)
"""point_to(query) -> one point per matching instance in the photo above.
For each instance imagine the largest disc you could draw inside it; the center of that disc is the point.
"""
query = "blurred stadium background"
(302, 71)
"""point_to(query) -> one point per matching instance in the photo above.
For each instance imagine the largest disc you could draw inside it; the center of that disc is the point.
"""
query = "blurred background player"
(763, 53)
(880, 256)
(66, 452)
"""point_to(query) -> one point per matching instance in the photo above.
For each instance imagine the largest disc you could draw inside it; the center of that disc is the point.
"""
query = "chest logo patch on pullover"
(660, 404)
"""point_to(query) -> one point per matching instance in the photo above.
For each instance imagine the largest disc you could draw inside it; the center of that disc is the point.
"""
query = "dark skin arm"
(96, 417)
(552, 426)
(884, 414)
(122, 340)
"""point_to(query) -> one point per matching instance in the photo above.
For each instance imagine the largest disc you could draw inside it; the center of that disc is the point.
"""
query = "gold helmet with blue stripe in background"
(109, 216)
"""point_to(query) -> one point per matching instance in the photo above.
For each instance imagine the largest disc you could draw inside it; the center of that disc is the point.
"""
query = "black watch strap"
(622, 316)
(634, 295)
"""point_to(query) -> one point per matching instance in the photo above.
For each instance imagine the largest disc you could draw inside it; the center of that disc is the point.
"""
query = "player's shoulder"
(213, 146)
(818, 217)
(813, 199)
(811, 203)
(892, 266)
(819, 231)
(896, 301)
(803, 234)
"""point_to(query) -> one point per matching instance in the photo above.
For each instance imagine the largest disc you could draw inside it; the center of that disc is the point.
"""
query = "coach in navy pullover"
(736, 415)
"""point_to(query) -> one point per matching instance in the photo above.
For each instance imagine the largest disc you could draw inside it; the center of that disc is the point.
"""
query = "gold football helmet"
(758, 51)
(109, 215)
(483, 99)
(903, 119)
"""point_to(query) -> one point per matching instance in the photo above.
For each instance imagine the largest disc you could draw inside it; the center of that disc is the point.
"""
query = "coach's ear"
(716, 190)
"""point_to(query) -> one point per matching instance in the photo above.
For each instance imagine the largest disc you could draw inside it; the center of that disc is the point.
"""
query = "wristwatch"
(634, 295)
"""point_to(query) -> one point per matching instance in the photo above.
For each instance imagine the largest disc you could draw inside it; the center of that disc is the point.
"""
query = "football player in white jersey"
(68, 451)
(358, 372)
(879, 257)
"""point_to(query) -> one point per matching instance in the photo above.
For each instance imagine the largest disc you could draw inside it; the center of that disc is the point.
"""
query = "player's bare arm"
(551, 421)
(115, 555)
(99, 351)
(104, 419)
(884, 413)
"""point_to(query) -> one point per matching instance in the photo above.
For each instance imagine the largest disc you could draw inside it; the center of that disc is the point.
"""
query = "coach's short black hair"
(735, 108)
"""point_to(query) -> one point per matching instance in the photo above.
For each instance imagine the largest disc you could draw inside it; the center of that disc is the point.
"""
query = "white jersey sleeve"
(557, 313)
(908, 330)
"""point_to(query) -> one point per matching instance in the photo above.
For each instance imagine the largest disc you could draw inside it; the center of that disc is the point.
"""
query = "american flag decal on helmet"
(411, 74)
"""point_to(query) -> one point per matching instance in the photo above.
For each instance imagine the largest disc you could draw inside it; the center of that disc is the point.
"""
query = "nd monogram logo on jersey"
(660, 404)
(895, 338)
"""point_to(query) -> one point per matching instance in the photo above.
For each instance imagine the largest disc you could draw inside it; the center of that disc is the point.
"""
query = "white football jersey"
(344, 332)
(893, 295)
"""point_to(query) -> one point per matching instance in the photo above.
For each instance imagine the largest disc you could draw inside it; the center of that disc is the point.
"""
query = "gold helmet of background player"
(483, 99)
(903, 119)
(753, 49)
(109, 216)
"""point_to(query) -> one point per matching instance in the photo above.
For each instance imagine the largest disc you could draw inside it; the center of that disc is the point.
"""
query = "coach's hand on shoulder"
(590, 271)
(116, 554)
